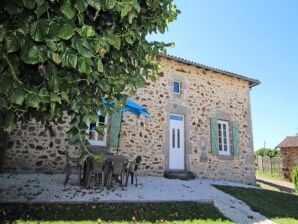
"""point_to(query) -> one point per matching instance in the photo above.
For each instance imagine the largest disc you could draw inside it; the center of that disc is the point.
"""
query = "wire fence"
(269, 165)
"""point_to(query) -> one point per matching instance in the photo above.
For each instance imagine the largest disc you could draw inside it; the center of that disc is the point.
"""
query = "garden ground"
(43, 197)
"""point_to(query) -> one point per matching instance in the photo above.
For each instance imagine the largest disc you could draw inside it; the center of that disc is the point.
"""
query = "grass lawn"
(269, 176)
(268, 187)
(181, 212)
(280, 207)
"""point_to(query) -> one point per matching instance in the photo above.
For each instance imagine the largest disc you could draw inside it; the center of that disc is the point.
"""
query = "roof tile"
(288, 142)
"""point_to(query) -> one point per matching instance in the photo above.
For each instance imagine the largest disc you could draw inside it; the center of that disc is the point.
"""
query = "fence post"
(270, 165)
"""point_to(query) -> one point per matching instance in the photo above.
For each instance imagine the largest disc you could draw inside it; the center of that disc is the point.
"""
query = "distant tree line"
(267, 152)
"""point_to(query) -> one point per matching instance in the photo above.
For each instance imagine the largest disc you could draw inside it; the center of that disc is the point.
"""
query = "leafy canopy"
(61, 56)
(267, 152)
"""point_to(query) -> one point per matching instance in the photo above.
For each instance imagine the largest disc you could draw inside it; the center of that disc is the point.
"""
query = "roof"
(288, 142)
(252, 82)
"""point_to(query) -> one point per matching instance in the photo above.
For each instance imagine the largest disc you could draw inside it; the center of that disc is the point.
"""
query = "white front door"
(176, 151)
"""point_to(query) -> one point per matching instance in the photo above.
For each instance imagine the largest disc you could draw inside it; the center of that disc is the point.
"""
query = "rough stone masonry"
(205, 93)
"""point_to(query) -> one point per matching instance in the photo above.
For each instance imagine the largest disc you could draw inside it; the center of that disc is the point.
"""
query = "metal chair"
(72, 164)
(132, 170)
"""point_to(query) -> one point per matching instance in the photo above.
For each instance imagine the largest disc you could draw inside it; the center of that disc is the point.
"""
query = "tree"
(267, 152)
(60, 56)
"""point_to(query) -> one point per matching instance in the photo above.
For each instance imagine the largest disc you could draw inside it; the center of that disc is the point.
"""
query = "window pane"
(176, 87)
(220, 147)
(225, 148)
(92, 127)
(173, 138)
(101, 119)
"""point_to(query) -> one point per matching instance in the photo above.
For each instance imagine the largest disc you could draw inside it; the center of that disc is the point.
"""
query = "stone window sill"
(225, 157)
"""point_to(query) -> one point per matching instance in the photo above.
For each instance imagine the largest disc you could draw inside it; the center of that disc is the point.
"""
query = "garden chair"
(132, 170)
(119, 168)
(72, 164)
(96, 171)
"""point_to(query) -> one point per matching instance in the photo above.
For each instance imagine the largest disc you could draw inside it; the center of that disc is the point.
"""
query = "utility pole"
(264, 144)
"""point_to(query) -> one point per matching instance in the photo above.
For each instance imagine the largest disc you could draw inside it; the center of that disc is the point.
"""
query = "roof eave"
(252, 82)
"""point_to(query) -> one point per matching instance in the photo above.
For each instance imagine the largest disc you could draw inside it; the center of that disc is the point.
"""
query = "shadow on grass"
(114, 212)
(275, 205)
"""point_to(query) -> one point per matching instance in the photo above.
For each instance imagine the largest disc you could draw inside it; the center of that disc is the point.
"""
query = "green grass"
(269, 176)
(180, 212)
(280, 207)
(268, 187)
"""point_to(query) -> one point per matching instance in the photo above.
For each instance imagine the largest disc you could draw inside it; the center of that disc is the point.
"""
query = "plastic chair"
(119, 168)
(72, 164)
(132, 170)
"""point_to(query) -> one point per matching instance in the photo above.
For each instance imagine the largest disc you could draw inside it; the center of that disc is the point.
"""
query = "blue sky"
(257, 38)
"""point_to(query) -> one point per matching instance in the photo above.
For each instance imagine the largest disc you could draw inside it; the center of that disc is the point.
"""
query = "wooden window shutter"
(214, 135)
(236, 144)
(115, 129)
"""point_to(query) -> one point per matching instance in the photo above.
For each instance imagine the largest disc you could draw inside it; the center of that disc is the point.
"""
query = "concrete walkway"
(280, 184)
(43, 188)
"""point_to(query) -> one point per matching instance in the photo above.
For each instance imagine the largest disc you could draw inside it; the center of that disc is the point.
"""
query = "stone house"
(200, 121)
(289, 154)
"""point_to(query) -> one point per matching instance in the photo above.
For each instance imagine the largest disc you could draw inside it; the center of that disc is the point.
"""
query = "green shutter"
(115, 129)
(214, 135)
(236, 144)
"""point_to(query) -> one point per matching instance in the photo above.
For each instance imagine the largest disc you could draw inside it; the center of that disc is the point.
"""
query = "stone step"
(181, 175)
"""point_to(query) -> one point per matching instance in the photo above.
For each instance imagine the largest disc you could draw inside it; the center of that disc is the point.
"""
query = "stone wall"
(32, 148)
(289, 158)
(204, 94)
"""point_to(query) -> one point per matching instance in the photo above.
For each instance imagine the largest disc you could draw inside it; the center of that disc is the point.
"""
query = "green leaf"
(85, 154)
(39, 29)
(64, 97)
(130, 38)
(40, 2)
(32, 55)
(93, 117)
(32, 100)
(67, 10)
(56, 58)
(84, 65)
(55, 98)
(9, 122)
(81, 5)
(18, 97)
(11, 43)
(95, 4)
(51, 45)
(66, 32)
(41, 9)
(88, 31)
(2, 33)
(104, 86)
(29, 4)
(110, 4)
(83, 47)
(99, 65)
(127, 8)
(114, 40)
(69, 60)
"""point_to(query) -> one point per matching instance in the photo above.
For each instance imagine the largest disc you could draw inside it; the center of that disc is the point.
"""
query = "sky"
(256, 38)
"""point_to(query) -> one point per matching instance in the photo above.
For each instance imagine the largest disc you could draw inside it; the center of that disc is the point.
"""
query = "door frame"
(182, 143)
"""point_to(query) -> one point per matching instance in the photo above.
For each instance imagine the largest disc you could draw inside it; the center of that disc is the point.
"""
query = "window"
(94, 137)
(223, 137)
(177, 87)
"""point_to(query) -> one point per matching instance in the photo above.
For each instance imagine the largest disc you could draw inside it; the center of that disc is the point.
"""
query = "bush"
(295, 177)
(267, 152)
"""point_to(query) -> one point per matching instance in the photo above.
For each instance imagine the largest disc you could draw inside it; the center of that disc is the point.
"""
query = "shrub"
(295, 177)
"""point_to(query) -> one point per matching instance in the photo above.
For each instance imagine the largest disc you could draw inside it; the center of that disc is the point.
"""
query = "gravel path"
(49, 188)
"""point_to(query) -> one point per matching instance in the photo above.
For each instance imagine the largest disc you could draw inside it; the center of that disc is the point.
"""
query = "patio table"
(88, 163)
